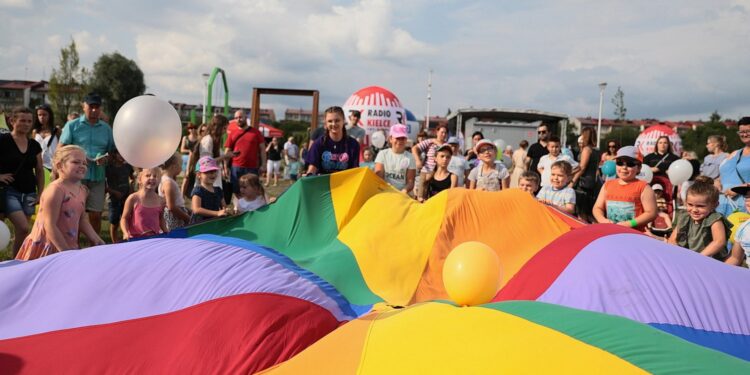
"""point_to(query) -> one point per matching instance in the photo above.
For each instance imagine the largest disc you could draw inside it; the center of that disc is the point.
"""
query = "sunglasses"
(627, 163)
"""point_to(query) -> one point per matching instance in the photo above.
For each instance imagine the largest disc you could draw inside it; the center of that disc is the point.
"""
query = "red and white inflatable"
(380, 109)
(646, 141)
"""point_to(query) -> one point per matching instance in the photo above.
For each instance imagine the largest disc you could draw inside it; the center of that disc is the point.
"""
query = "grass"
(7, 253)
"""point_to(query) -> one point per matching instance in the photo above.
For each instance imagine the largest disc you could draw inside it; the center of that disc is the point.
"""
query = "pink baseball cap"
(398, 131)
(206, 164)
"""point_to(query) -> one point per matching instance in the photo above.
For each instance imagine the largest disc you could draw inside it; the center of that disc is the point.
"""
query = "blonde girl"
(175, 214)
(61, 215)
(142, 215)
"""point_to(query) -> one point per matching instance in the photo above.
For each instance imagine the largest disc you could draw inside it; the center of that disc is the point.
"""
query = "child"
(458, 165)
(626, 200)
(252, 194)
(142, 215)
(175, 214)
(368, 159)
(662, 225)
(394, 165)
(440, 179)
(207, 200)
(741, 246)
(529, 182)
(558, 193)
(699, 227)
(553, 146)
(119, 176)
(61, 214)
(488, 175)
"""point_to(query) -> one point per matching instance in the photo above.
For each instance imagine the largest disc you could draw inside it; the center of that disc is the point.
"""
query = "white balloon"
(4, 235)
(378, 139)
(679, 171)
(147, 131)
(646, 174)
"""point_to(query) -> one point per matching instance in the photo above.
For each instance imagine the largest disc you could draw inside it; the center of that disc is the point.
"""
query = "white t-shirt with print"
(395, 166)
(546, 162)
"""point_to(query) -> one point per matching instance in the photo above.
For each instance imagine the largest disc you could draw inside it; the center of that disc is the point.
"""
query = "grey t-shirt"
(357, 133)
(395, 166)
(711, 163)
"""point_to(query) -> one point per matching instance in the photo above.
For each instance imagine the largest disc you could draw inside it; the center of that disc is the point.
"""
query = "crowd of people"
(223, 163)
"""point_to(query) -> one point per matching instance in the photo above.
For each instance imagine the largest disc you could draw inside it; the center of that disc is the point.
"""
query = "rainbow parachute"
(343, 275)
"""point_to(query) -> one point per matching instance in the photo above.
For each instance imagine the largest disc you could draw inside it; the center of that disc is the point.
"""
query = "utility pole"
(429, 99)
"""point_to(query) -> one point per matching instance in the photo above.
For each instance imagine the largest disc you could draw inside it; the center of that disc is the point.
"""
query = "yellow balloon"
(471, 274)
(736, 219)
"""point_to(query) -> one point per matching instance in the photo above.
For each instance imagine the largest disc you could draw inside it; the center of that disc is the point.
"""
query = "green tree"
(619, 101)
(695, 140)
(624, 135)
(116, 79)
(67, 83)
(297, 129)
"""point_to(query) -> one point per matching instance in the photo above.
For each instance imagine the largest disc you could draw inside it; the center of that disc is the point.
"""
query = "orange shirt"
(623, 202)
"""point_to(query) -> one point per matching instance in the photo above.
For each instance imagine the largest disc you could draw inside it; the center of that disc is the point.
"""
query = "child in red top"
(626, 200)
(61, 214)
(142, 215)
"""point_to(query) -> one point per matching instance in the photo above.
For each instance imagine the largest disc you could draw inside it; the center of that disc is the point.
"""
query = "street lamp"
(205, 97)
(602, 86)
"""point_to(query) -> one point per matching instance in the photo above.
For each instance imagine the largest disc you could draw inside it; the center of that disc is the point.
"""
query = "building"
(302, 115)
(186, 112)
(434, 122)
(15, 93)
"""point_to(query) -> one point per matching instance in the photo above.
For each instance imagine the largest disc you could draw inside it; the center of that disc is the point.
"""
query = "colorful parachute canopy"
(503, 338)
(251, 291)
(162, 305)
(610, 269)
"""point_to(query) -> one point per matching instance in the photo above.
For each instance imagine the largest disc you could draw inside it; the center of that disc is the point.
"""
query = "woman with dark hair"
(610, 153)
(335, 151)
(519, 163)
(585, 181)
(475, 138)
(659, 161)
(46, 133)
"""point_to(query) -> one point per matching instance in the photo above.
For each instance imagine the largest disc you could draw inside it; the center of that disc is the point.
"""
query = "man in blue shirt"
(95, 137)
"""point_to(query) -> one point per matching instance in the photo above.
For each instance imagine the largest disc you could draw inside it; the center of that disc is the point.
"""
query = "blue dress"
(729, 174)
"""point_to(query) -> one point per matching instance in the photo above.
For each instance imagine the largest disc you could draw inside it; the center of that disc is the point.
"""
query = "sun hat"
(398, 131)
(206, 164)
(482, 143)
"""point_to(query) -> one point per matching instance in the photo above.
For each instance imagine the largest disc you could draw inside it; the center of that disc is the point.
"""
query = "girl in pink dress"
(61, 214)
(142, 215)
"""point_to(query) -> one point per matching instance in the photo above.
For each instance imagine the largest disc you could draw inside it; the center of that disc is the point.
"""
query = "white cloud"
(22, 4)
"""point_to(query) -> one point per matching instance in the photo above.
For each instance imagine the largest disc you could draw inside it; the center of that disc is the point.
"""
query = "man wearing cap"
(95, 137)
(458, 164)
(395, 165)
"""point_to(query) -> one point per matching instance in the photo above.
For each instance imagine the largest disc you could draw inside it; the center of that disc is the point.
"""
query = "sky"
(673, 60)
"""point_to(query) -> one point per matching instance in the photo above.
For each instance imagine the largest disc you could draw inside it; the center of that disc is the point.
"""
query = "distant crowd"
(226, 165)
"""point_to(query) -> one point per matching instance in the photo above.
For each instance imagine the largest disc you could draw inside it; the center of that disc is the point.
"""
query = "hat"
(482, 143)
(657, 187)
(626, 152)
(92, 98)
(453, 140)
(206, 164)
(398, 131)
(444, 147)
(741, 190)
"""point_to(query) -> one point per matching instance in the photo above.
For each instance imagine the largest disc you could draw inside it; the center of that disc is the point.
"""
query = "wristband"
(633, 223)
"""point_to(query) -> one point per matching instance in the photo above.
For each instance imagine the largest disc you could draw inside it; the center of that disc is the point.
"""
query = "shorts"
(95, 200)
(115, 210)
(273, 166)
(17, 201)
